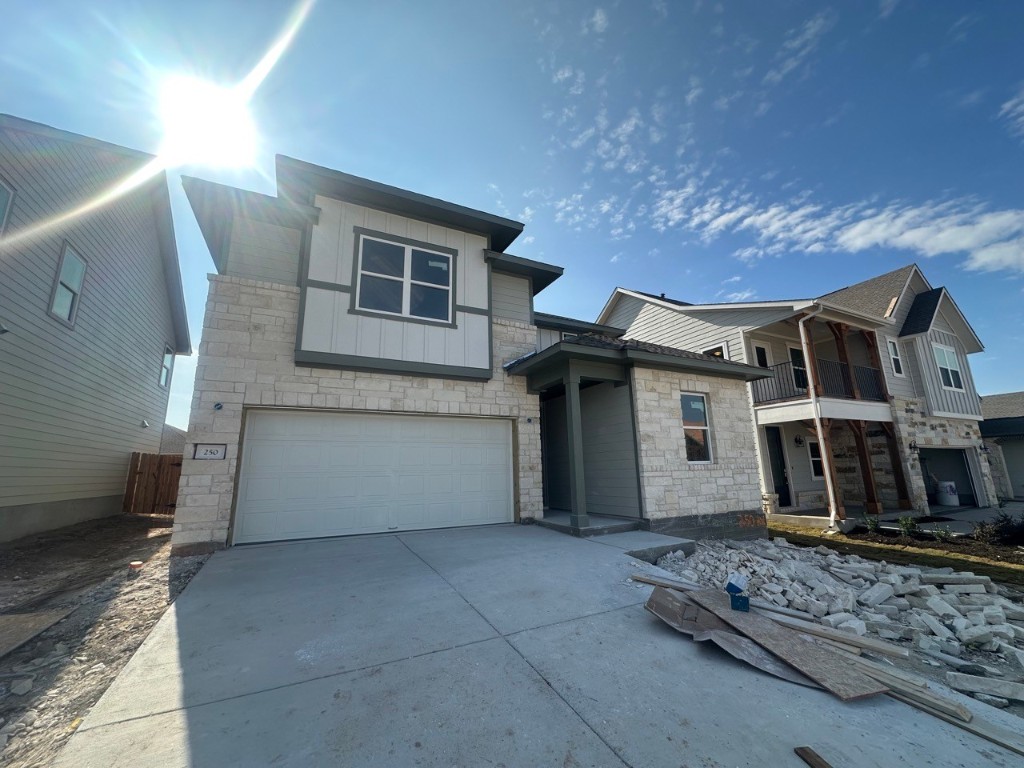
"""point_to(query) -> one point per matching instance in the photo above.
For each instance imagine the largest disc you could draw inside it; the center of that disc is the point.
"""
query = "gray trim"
(69, 322)
(383, 365)
(541, 275)
(325, 286)
(170, 371)
(635, 416)
(577, 477)
(473, 310)
(361, 232)
(5, 214)
(295, 176)
(571, 325)
(304, 249)
(490, 320)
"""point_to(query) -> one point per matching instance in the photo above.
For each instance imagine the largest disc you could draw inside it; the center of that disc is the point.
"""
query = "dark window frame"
(407, 281)
(817, 470)
(707, 428)
(166, 366)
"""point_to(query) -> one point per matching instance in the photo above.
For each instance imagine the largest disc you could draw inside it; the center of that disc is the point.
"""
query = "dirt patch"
(49, 684)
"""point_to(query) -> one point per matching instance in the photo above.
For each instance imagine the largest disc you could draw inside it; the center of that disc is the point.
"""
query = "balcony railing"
(790, 382)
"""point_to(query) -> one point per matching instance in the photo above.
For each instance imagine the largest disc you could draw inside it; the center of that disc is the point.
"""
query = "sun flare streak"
(203, 123)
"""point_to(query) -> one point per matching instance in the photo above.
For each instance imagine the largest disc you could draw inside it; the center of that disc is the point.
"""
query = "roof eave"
(541, 275)
(161, 202)
(296, 177)
(570, 325)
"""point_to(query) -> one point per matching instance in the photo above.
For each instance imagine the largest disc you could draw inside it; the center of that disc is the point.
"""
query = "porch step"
(599, 526)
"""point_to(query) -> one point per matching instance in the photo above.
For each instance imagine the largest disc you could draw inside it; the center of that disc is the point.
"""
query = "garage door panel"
(311, 474)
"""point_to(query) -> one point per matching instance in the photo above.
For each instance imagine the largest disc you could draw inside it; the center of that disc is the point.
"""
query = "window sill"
(402, 318)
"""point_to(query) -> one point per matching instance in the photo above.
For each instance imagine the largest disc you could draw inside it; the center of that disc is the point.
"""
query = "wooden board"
(846, 638)
(826, 668)
(811, 757)
(682, 614)
(685, 586)
(745, 649)
(19, 628)
(994, 733)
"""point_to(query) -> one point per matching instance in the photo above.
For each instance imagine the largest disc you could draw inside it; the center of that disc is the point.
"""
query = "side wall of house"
(73, 399)
(721, 498)
(263, 251)
(255, 367)
(609, 450)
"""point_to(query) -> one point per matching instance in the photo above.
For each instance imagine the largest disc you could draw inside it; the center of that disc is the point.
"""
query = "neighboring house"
(91, 317)
(1003, 430)
(870, 400)
(371, 362)
(172, 440)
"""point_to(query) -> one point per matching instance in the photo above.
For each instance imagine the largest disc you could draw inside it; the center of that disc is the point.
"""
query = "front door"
(777, 462)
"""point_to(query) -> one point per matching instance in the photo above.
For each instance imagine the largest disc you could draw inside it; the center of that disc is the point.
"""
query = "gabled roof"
(630, 351)
(922, 312)
(685, 307)
(662, 297)
(1005, 406)
(216, 206)
(875, 296)
(296, 179)
(160, 203)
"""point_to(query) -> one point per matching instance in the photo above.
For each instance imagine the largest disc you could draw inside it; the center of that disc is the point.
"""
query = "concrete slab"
(640, 540)
(256, 618)
(476, 705)
(506, 645)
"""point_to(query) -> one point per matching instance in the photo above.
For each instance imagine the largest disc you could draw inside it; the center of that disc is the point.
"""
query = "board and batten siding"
(265, 252)
(511, 297)
(696, 330)
(546, 337)
(609, 451)
(72, 400)
(942, 400)
(329, 326)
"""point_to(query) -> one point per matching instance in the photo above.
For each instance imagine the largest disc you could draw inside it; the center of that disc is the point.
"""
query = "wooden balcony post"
(871, 503)
(897, 466)
(812, 362)
(826, 445)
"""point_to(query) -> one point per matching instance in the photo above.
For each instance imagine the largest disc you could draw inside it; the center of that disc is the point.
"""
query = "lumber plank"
(681, 614)
(822, 665)
(811, 757)
(685, 586)
(745, 649)
(16, 629)
(937, 703)
(847, 638)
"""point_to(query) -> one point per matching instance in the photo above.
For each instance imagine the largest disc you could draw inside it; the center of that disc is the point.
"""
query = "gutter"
(826, 455)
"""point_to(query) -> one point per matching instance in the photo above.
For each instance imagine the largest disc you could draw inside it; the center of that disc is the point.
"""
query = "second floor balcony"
(835, 379)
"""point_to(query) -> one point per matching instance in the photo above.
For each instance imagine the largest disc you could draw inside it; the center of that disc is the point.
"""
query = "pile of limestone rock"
(945, 614)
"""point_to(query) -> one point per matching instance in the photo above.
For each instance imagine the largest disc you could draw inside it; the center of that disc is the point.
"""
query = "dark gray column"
(574, 427)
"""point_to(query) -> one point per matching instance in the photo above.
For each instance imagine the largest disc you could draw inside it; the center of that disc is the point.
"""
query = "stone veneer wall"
(847, 464)
(670, 486)
(1000, 472)
(247, 359)
(913, 424)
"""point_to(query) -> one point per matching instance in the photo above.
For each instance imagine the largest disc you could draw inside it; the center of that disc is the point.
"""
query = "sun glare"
(206, 124)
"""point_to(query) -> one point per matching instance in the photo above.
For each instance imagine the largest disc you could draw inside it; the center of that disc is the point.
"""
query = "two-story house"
(371, 361)
(1003, 432)
(870, 400)
(91, 317)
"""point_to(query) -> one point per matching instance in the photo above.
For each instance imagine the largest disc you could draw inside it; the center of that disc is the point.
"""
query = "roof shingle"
(922, 313)
(872, 296)
(1005, 406)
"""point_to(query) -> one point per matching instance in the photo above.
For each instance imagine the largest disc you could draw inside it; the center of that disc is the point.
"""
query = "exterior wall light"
(799, 441)
(913, 447)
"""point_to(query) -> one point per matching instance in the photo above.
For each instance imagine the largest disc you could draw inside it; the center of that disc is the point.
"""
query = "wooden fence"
(152, 486)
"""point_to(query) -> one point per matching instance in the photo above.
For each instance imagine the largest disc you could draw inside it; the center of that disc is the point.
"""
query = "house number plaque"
(210, 452)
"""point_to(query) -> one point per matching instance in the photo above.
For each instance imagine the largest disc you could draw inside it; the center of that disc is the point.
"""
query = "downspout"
(826, 455)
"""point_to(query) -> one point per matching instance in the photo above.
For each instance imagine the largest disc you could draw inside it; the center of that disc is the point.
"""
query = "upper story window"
(404, 278)
(895, 357)
(719, 350)
(67, 289)
(696, 428)
(166, 367)
(6, 198)
(949, 366)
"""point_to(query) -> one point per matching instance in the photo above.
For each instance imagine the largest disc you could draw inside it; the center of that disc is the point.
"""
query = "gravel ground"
(49, 684)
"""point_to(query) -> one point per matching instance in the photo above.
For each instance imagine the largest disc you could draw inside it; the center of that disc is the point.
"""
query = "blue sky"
(713, 151)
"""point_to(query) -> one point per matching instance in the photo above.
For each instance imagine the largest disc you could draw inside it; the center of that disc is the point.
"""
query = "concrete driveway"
(504, 645)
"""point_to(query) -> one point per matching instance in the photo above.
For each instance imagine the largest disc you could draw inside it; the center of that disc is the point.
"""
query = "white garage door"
(311, 474)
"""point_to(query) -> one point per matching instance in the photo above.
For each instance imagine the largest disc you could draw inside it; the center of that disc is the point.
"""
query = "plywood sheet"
(745, 649)
(824, 667)
(19, 628)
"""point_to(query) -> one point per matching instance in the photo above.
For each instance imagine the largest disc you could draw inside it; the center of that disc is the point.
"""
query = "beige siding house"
(91, 316)
(371, 361)
(869, 401)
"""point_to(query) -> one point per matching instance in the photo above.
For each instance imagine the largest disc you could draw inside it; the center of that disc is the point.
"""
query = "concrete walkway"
(504, 645)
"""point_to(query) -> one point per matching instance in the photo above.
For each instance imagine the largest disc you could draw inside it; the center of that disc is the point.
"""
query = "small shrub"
(987, 532)
(871, 523)
(942, 533)
(908, 525)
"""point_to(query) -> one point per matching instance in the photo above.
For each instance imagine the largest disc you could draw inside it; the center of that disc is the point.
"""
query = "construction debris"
(818, 611)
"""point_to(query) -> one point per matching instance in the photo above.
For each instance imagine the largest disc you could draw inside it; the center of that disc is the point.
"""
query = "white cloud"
(597, 23)
(733, 279)
(1012, 111)
(563, 73)
(886, 7)
(527, 214)
(745, 295)
(660, 8)
(695, 91)
(799, 45)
